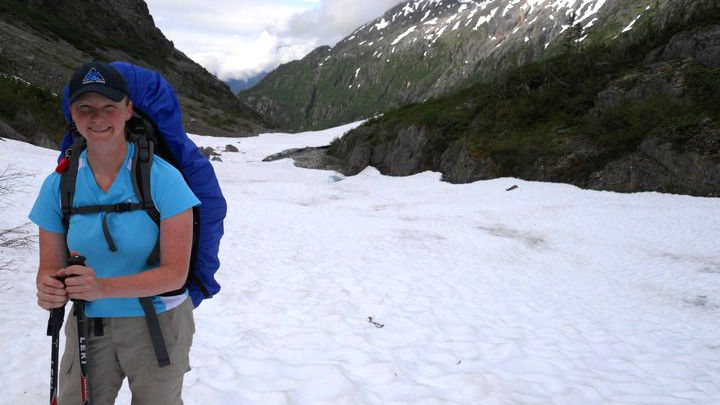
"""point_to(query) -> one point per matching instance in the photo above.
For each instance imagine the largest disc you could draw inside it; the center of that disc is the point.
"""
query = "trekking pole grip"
(76, 260)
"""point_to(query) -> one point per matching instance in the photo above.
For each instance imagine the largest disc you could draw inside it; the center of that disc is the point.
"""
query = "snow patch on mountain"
(403, 35)
(428, 20)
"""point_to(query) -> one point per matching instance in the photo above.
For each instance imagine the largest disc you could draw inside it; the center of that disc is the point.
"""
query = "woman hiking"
(116, 246)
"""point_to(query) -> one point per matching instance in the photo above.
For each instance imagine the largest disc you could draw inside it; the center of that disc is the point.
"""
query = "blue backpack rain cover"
(154, 97)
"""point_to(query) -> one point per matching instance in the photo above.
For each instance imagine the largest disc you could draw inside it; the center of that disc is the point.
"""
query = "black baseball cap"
(98, 77)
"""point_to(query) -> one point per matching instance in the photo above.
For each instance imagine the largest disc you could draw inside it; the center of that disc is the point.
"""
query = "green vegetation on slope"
(113, 33)
(30, 109)
(530, 111)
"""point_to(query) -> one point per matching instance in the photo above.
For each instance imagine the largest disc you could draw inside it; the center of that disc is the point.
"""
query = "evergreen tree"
(572, 36)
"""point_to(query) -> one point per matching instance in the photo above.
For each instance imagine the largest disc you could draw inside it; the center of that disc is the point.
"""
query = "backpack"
(156, 128)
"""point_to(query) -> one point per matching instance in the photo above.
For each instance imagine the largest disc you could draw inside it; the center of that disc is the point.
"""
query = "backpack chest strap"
(107, 209)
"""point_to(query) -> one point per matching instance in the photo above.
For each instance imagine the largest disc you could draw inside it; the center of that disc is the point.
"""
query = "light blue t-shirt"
(133, 232)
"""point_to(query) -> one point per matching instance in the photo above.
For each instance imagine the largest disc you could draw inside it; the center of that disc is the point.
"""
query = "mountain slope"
(423, 49)
(44, 41)
(237, 85)
(641, 113)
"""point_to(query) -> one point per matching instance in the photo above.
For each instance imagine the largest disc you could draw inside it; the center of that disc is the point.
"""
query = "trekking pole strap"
(57, 317)
(55, 322)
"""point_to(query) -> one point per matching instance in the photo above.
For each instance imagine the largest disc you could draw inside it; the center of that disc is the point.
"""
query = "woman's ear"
(129, 110)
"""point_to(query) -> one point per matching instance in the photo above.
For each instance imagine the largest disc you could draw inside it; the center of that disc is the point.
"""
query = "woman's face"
(100, 119)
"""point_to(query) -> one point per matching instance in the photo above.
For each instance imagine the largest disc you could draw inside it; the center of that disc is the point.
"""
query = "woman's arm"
(53, 250)
(175, 245)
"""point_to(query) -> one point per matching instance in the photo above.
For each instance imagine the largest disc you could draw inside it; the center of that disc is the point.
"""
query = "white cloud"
(243, 59)
(335, 19)
(237, 39)
(223, 16)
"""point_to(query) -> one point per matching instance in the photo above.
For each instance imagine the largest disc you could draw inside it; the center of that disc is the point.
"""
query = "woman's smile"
(99, 118)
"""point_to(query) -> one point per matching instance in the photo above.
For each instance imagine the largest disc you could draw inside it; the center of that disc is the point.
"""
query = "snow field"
(381, 290)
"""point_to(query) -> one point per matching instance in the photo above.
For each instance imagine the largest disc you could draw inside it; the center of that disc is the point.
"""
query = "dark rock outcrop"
(685, 161)
(43, 41)
(424, 49)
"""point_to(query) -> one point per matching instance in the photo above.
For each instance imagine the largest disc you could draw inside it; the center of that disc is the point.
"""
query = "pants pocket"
(70, 354)
(67, 363)
(178, 324)
(178, 327)
(179, 364)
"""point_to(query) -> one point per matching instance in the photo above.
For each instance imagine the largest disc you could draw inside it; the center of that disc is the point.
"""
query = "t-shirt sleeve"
(46, 212)
(171, 194)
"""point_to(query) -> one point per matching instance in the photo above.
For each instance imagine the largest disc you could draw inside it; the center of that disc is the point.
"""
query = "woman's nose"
(95, 114)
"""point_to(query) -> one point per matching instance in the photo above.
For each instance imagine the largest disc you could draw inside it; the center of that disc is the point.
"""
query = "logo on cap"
(93, 76)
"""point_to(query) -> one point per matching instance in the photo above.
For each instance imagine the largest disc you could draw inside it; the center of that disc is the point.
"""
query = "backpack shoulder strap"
(141, 167)
(69, 176)
(68, 182)
(140, 132)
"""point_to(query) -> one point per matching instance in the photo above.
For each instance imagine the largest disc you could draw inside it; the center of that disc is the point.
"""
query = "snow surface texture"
(387, 290)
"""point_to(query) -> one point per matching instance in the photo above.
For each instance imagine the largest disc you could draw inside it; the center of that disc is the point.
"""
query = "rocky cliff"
(642, 115)
(43, 41)
(423, 49)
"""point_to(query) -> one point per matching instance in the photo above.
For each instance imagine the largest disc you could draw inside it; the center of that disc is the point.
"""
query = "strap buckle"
(122, 207)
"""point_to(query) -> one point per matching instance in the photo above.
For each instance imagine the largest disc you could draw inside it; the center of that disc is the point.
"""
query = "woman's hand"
(81, 283)
(51, 293)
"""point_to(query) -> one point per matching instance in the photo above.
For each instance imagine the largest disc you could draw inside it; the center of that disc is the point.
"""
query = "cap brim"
(112, 94)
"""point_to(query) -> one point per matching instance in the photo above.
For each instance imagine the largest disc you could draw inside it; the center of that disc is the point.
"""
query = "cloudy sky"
(237, 39)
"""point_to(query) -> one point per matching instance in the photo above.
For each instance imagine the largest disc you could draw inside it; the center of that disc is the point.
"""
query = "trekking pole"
(57, 315)
(79, 306)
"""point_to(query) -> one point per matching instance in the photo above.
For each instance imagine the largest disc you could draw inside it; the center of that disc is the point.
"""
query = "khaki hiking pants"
(125, 350)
